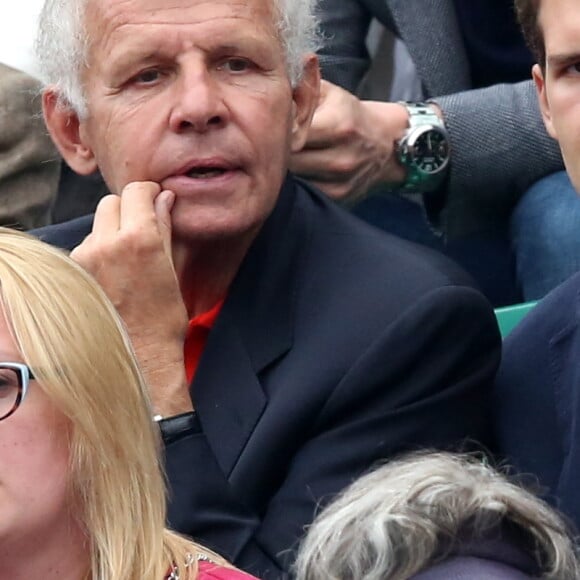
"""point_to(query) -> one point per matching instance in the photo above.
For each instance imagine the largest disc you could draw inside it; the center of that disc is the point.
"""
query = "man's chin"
(203, 226)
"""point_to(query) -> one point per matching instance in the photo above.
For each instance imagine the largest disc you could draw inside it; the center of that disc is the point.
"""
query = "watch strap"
(178, 426)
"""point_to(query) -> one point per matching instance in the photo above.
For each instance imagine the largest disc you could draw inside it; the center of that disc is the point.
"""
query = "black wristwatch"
(424, 149)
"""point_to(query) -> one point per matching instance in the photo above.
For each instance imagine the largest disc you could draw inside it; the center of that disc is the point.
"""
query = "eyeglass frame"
(25, 375)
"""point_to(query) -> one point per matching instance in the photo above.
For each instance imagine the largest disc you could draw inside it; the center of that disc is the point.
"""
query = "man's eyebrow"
(238, 44)
(135, 54)
(145, 54)
(120, 62)
(563, 58)
(230, 47)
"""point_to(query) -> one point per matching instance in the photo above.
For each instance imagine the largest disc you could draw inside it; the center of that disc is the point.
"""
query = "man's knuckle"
(345, 129)
(138, 240)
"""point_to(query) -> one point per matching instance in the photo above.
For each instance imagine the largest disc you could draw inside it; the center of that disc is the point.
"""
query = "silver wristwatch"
(424, 149)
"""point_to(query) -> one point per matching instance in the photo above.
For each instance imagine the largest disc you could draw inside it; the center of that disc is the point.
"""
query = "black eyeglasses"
(14, 379)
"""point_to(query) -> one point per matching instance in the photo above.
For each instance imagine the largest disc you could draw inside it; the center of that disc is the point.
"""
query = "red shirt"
(196, 338)
(209, 571)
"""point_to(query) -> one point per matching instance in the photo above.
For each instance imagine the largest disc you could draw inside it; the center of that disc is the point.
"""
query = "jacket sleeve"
(344, 58)
(499, 148)
(29, 163)
(423, 382)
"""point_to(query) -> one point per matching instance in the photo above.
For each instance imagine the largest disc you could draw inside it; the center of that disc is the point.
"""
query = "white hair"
(62, 43)
(410, 513)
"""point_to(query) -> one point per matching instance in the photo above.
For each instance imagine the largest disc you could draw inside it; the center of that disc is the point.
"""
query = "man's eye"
(147, 77)
(236, 65)
(573, 69)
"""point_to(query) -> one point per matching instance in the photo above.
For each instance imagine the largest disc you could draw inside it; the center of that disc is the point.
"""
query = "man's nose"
(199, 104)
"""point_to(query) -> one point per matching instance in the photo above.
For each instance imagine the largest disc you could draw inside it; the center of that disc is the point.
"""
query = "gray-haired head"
(62, 43)
(402, 518)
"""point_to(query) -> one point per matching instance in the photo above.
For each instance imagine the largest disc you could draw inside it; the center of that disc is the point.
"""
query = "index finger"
(138, 204)
(107, 216)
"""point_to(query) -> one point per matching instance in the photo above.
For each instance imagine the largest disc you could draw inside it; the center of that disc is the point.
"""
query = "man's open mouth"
(205, 172)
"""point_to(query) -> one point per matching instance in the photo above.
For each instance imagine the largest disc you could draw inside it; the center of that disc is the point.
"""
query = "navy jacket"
(337, 346)
(537, 397)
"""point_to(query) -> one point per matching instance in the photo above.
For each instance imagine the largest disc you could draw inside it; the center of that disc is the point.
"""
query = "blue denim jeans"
(487, 256)
(545, 230)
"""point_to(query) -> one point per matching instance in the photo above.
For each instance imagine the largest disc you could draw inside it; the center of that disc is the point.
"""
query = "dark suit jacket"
(537, 397)
(499, 143)
(337, 346)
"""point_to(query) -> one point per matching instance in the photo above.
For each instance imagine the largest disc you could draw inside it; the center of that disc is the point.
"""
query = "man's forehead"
(556, 16)
(112, 13)
(539, 7)
(559, 23)
(110, 25)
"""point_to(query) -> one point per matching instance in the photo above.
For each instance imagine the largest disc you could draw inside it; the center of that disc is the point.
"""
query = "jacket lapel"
(226, 393)
(431, 33)
(254, 328)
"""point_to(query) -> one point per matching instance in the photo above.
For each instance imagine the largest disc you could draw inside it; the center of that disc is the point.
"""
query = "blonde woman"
(437, 516)
(82, 495)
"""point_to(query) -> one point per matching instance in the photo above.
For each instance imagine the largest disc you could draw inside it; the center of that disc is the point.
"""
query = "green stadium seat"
(508, 317)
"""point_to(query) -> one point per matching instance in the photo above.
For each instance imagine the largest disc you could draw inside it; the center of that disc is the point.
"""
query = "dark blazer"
(499, 143)
(337, 346)
(537, 397)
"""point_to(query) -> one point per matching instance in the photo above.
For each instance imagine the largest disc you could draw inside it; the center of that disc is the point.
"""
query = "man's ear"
(540, 82)
(64, 127)
(305, 96)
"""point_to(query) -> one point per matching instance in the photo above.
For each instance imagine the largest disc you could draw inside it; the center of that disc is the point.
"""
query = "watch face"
(429, 150)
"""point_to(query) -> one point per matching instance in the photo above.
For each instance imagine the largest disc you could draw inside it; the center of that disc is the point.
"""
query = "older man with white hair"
(287, 345)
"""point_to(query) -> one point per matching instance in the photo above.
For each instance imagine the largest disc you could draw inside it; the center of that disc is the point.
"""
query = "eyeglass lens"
(10, 390)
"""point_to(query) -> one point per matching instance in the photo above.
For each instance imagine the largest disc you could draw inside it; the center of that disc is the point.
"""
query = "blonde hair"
(70, 335)
(410, 513)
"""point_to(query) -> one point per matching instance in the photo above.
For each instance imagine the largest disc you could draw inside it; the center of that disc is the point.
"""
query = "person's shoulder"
(20, 99)
(470, 567)
(500, 553)
(16, 78)
(210, 571)
(548, 332)
(340, 235)
(66, 235)
(20, 118)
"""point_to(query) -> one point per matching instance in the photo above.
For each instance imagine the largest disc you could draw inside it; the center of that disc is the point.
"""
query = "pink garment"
(210, 571)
